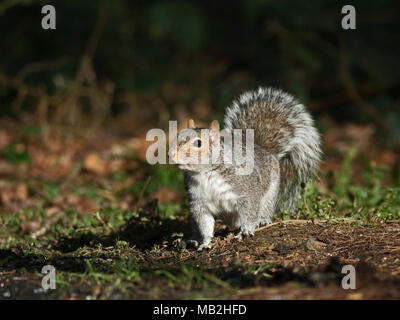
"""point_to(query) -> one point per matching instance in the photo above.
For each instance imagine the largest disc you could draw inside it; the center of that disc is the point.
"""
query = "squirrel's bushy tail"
(283, 127)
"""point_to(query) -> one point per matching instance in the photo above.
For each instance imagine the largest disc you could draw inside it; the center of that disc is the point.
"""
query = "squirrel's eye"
(197, 143)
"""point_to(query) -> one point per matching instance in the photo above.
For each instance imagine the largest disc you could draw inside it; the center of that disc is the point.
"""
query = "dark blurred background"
(145, 62)
(76, 103)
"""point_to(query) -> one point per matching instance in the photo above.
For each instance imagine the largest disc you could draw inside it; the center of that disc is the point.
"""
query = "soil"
(301, 259)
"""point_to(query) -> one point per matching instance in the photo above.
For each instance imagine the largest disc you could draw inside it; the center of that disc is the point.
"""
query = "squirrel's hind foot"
(195, 244)
(189, 243)
(244, 233)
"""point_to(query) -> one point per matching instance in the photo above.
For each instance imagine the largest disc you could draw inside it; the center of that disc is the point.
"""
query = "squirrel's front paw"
(203, 246)
(189, 243)
(244, 233)
(238, 236)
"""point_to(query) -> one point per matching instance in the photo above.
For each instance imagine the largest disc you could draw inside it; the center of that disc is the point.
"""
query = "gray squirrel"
(286, 156)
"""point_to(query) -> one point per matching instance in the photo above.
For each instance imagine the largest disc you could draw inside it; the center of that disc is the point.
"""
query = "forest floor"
(111, 226)
(285, 261)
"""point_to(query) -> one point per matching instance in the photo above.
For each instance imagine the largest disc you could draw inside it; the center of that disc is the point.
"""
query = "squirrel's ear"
(191, 124)
(214, 125)
(214, 131)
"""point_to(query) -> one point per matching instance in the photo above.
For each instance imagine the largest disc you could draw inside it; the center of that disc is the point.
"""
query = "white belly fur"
(217, 194)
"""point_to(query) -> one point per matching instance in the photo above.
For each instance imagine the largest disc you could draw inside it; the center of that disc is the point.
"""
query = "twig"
(85, 71)
(103, 222)
(3, 227)
(142, 192)
(41, 66)
(305, 201)
(73, 173)
(291, 221)
(47, 225)
(98, 29)
(294, 221)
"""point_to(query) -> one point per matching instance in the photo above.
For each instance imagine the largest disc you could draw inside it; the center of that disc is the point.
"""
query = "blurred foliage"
(215, 49)
(364, 201)
(16, 153)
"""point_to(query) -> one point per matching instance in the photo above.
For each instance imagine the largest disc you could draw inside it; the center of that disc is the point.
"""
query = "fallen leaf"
(355, 296)
(6, 168)
(95, 164)
(315, 245)
(30, 226)
(165, 195)
(4, 139)
(387, 158)
(21, 192)
(6, 195)
(139, 146)
(51, 211)
(87, 205)
(116, 164)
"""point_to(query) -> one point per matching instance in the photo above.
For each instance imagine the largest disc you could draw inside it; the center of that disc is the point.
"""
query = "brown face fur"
(190, 152)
